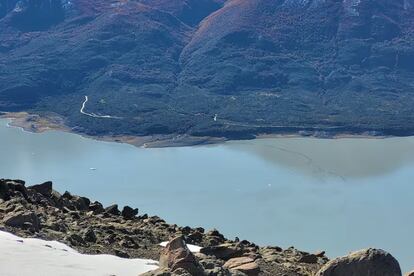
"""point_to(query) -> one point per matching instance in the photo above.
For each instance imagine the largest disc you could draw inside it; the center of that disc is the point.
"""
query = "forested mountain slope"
(232, 68)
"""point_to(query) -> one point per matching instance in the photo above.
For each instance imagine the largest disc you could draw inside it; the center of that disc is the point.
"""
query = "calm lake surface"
(315, 194)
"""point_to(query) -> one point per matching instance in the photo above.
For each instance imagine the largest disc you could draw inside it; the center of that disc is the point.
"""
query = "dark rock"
(129, 213)
(74, 214)
(364, 262)
(200, 229)
(44, 188)
(186, 230)
(67, 195)
(144, 216)
(320, 254)
(111, 238)
(22, 220)
(55, 196)
(223, 251)
(4, 190)
(214, 233)
(75, 239)
(121, 254)
(128, 242)
(10, 188)
(73, 203)
(89, 236)
(96, 207)
(113, 210)
(19, 187)
(309, 259)
(59, 226)
(195, 237)
(214, 237)
(81, 203)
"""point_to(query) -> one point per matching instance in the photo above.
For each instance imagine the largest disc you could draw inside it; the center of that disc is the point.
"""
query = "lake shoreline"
(283, 178)
(35, 123)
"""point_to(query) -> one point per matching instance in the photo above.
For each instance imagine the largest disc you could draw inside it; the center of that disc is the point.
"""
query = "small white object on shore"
(191, 247)
(20, 256)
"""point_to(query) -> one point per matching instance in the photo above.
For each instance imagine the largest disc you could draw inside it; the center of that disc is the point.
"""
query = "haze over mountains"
(232, 68)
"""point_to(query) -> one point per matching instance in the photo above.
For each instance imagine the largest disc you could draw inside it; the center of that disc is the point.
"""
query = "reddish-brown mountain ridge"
(171, 66)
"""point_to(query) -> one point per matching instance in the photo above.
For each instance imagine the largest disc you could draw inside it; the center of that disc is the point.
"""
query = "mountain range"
(234, 69)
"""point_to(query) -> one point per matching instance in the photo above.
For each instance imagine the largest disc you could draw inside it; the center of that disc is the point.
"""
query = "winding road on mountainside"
(93, 115)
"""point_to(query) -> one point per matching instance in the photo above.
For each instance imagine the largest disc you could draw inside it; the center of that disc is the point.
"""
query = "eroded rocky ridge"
(41, 212)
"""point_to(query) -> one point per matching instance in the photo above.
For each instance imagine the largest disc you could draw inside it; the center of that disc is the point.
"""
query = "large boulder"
(176, 258)
(44, 188)
(73, 202)
(243, 264)
(10, 188)
(223, 251)
(176, 255)
(129, 213)
(81, 203)
(4, 190)
(96, 207)
(113, 210)
(364, 262)
(22, 219)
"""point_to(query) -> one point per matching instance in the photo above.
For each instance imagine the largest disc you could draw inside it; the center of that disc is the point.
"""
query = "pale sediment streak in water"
(82, 110)
(311, 163)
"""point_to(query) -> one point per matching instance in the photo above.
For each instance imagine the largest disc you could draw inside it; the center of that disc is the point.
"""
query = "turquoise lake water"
(315, 194)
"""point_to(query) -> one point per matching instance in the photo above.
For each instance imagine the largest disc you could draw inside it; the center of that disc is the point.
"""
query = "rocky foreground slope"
(39, 211)
(234, 68)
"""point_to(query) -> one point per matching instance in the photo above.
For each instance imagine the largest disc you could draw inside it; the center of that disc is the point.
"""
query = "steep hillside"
(307, 63)
(118, 54)
(233, 68)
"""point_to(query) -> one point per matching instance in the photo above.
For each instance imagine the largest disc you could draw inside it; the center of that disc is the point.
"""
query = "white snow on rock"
(191, 247)
(19, 256)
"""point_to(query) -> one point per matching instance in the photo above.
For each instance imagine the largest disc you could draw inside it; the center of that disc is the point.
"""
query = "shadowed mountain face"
(171, 66)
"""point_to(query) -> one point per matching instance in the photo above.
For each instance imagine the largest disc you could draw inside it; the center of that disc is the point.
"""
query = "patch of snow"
(19, 256)
(191, 247)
